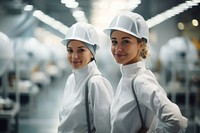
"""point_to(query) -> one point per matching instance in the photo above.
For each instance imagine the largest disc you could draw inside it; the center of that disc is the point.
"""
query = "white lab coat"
(155, 106)
(72, 112)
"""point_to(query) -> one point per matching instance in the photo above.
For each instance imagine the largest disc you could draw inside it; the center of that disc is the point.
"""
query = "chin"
(77, 67)
(120, 62)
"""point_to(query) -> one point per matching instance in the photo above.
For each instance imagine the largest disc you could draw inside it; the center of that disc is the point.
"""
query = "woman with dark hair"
(78, 115)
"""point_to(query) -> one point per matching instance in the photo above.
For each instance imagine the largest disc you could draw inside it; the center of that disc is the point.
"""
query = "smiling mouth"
(119, 56)
(76, 62)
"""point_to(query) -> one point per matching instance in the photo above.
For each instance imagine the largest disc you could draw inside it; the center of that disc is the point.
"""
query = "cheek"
(112, 49)
(132, 49)
(86, 56)
(90, 56)
(69, 56)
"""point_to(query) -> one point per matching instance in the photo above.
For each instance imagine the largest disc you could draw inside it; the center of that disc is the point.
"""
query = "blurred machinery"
(39, 64)
(177, 55)
(27, 67)
(6, 53)
(58, 63)
(32, 57)
(180, 73)
(9, 109)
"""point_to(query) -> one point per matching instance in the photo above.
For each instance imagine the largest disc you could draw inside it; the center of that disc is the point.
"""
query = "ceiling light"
(63, 1)
(28, 8)
(181, 26)
(195, 22)
(171, 12)
(106, 9)
(78, 13)
(57, 25)
(72, 4)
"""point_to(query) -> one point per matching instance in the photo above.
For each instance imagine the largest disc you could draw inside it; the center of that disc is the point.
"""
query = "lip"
(75, 62)
(119, 55)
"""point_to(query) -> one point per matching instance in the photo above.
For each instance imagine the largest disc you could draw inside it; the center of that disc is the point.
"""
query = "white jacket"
(155, 106)
(72, 112)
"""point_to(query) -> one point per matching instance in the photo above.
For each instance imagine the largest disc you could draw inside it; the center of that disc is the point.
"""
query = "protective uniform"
(159, 113)
(154, 104)
(72, 113)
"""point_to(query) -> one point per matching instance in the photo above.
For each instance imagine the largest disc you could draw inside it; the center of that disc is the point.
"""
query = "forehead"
(117, 33)
(75, 44)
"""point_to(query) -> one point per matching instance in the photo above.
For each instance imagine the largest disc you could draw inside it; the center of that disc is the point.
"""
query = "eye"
(69, 50)
(81, 50)
(114, 42)
(124, 42)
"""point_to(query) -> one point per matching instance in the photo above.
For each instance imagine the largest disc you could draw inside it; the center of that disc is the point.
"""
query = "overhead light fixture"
(78, 13)
(57, 25)
(195, 22)
(181, 26)
(103, 10)
(132, 4)
(124, 5)
(28, 8)
(171, 12)
(70, 3)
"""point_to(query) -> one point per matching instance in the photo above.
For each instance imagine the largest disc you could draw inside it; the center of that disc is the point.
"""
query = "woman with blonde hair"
(140, 104)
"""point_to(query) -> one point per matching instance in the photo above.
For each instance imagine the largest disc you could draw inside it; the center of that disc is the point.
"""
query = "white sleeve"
(151, 95)
(100, 96)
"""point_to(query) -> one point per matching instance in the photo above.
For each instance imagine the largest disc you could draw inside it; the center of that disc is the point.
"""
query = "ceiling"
(55, 9)
(91, 8)
(147, 8)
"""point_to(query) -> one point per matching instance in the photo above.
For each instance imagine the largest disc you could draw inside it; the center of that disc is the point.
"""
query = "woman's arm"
(151, 94)
(100, 95)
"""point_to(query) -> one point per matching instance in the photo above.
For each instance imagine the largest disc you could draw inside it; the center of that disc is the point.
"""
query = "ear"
(142, 45)
(92, 56)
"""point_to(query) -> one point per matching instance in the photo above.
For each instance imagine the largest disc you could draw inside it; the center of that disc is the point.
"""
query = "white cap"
(83, 32)
(131, 23)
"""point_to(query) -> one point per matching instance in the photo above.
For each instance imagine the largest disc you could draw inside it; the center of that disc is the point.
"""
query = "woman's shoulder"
(70, 77)
(148, 81)
(98, 79)
(95, 78)
(144, 77)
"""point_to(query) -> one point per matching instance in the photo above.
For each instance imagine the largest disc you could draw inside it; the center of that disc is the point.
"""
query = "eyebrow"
(78, 47)
(122, 38)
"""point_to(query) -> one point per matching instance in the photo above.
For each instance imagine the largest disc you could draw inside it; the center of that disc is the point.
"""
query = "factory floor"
(43, 116)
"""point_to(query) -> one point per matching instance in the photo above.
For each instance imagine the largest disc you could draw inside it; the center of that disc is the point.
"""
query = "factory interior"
(34, 66)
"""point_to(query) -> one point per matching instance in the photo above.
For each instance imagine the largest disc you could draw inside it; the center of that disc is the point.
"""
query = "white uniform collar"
(132, 69)
(86, 71)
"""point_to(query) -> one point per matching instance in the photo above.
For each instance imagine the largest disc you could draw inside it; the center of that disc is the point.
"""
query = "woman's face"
(78, 54)
(125, 48)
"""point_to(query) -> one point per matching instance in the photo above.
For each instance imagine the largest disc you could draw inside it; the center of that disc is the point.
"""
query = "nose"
(74, 55)
(118, 47)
